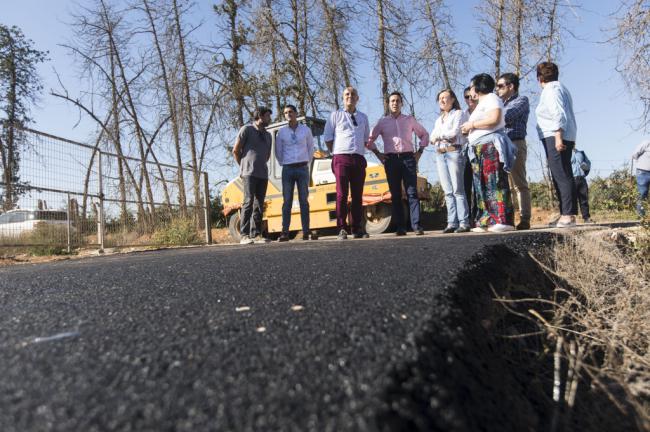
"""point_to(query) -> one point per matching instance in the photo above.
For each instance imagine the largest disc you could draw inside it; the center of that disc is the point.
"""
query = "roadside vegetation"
(598, 323)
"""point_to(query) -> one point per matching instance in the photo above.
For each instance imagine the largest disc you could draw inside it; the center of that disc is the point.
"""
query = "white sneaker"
(245, 240)
(498, 228)
(479, 229)
(566, 223)
(260, 240)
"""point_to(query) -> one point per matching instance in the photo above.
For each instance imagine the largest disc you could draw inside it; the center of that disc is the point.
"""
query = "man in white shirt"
(294, 149)
(346, 133)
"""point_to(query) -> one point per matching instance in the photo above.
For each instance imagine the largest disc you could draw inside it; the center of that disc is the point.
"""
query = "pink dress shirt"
(397, 133)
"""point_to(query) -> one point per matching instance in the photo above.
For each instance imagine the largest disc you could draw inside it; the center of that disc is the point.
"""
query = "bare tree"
(492, 15)
(336, 69)
(633, 40)
(170, 99)
(187, 95)
(442, 56)
(229, 65)
(390, 44)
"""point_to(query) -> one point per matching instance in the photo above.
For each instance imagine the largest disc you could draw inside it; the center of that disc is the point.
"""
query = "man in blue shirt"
(580, 164)
(516, 116)
(641, 160)
(294, 149)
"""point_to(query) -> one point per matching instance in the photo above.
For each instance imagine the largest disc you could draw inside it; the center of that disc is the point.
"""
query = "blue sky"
(607, 114)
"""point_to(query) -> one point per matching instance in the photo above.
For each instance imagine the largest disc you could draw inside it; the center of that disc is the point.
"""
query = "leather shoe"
(400, 233)
(449, 229)
(523, 225)
(361, 235)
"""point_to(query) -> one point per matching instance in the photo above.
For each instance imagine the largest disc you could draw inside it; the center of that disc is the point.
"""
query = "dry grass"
(601, 317)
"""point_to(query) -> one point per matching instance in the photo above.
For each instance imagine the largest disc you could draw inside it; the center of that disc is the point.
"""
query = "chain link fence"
(66, 194)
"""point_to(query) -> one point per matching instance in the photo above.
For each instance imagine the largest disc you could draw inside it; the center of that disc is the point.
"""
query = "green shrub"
(178, 232)
(540, 196)
(436, 201)
(615, 192)
(48, 240)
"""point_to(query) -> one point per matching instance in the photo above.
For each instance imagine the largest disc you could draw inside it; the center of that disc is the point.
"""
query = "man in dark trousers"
(400, 158)
(580, 164)
(252, 150)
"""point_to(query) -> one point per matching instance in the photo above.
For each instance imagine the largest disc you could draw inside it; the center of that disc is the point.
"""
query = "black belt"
(401, 155)
(297, 165)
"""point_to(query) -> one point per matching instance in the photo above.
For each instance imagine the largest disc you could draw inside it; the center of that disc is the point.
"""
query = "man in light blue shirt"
(346, 133)
(581, 166)
(557, 129)
(294, 149)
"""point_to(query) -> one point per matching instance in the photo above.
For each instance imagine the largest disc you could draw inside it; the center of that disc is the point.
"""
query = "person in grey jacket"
(641, 160)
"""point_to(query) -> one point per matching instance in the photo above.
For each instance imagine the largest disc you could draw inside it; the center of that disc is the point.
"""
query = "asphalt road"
(292, 336)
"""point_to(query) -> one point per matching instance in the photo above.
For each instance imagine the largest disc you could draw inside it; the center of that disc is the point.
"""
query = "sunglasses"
(501, 85)
(467, 96)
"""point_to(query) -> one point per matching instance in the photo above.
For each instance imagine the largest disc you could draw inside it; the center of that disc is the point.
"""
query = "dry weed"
(601, 321)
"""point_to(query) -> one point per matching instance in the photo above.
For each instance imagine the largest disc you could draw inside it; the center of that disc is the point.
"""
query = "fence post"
(68, 223)
(206, 208)
(100, 215)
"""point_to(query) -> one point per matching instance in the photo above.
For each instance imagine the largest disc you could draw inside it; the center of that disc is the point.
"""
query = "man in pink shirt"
(400, 159)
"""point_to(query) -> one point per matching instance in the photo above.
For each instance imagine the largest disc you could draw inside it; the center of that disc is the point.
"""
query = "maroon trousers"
(350, 173)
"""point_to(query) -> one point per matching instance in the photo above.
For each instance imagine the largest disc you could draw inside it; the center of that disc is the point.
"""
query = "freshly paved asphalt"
(292, 336)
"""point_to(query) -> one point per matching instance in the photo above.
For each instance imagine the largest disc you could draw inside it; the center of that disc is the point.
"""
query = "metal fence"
(69, 194)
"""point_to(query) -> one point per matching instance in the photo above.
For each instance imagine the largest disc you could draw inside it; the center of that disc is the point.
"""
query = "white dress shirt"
(348, 138)
(294, 146)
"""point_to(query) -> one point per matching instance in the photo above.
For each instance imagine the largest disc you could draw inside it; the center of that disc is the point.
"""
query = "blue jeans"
(403, 168)
(642, 186)
(290, 177)
(451, 173)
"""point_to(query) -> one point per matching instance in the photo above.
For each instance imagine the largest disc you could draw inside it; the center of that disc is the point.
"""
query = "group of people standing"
(480, 154)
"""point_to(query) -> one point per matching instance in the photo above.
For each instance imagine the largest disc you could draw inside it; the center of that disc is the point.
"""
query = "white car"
(17, 222)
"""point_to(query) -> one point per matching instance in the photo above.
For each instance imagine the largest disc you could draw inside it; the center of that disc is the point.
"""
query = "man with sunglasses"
(294, 150)
(516, 113)
(471, 101)
(400, 159)
(346, 133)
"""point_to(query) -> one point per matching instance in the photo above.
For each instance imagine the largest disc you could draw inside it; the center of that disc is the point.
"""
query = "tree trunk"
(519, 29)
(498, 38)
(436, 41)
(171, 105)
(10, 168)
(115, 115)
(551, 31)
(381, 45)
(188, 107)
(116, 60)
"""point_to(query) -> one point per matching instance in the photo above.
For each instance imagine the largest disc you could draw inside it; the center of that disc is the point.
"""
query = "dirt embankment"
(480, 367)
